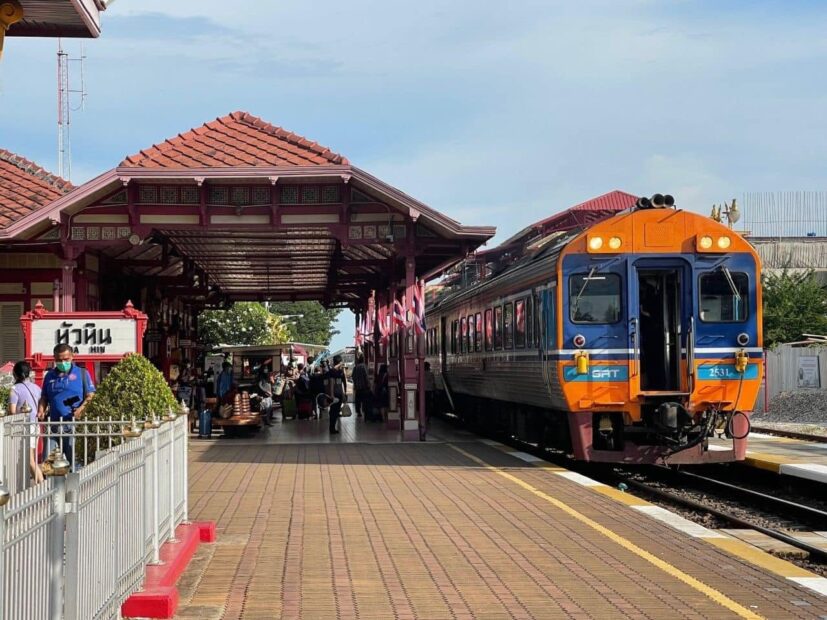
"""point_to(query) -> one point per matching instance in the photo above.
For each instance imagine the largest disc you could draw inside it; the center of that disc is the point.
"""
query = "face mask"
(63, 366)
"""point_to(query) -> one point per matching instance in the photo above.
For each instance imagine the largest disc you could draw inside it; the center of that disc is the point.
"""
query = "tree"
(243, 323)
(794, 304)
(309, 321)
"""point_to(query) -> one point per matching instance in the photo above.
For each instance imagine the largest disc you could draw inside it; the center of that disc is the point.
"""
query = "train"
(636, 339)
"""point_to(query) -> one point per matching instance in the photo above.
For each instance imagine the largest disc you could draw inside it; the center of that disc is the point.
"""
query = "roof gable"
(26, 187)
(579, 215)
(238, 139)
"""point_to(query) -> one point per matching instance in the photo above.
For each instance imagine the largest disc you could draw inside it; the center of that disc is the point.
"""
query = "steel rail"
(814, 552)
(814, 513)
(790, 434)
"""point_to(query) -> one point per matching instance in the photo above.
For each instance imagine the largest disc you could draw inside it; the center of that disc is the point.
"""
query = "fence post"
(2, 561)
(172, 480)
(56, 547)
(3, 479)
(156, 517)
(186, 465)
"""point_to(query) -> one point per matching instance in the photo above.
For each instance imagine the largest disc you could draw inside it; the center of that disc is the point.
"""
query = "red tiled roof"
(26, 187)
(583, 214)
(239, 139)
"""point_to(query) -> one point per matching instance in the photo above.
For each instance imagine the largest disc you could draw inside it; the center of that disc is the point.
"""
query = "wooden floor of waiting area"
(443, 529)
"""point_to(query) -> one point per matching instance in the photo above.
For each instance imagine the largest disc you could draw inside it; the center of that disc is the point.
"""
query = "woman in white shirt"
(26, 392)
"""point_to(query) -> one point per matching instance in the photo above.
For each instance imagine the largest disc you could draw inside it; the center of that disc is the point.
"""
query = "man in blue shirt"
(225, 380)
(67, 389)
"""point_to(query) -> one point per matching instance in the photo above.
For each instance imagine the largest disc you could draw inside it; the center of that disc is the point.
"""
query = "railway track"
(789, 434)
(813, 517)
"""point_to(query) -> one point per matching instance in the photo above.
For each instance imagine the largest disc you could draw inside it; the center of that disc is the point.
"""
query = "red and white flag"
(399, 319)
(418, 309)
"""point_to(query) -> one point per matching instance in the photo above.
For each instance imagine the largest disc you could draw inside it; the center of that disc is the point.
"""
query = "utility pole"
(64, 107)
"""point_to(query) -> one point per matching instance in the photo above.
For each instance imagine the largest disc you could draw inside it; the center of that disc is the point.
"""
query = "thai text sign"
(102, 336)
(808, 372)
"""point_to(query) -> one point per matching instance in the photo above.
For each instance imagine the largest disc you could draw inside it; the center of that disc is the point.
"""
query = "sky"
(493, 113)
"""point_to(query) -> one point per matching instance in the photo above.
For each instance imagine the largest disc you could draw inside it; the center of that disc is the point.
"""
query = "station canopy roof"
(59, 18)
(239, 209)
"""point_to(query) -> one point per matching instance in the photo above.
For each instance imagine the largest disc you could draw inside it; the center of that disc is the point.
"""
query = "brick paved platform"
(452, 529)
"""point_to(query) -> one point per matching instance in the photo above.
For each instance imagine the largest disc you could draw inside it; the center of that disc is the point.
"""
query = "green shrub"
(133, 390)
(4, 396)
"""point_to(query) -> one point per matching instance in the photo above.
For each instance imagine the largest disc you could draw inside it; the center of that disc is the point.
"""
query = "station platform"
(311, 526)
(791, 457)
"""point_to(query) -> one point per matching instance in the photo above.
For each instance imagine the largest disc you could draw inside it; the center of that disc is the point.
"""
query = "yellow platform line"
(689, 580)
(760, 558)
(738, 548)
(762, 460)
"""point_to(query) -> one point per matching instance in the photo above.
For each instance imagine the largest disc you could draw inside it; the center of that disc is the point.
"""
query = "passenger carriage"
(634, 340)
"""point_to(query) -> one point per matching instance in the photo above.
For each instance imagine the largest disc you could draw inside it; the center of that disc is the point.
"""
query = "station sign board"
(93, 336)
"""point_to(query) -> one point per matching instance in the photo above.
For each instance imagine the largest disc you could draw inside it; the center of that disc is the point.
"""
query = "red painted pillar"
(68, 286)
(420, 365)
(394, 417)
(56, 295)
(410, 383)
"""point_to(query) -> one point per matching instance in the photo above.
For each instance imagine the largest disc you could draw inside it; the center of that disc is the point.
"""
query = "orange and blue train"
(636, 340)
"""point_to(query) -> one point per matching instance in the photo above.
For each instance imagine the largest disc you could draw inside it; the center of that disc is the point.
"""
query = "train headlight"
(724, 242)
(595, 243)
(579, 340)
(705, 242)
(615, 243)
(743, 339)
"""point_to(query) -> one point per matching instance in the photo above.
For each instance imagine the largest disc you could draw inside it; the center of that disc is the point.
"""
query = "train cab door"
(660, 317)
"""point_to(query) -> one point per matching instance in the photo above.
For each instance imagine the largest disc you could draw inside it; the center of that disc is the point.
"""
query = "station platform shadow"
(357, 443)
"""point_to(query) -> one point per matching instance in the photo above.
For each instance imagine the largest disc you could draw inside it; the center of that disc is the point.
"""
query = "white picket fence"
(75, 547)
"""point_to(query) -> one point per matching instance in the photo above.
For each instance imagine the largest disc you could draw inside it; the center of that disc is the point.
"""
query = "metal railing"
(75, 546)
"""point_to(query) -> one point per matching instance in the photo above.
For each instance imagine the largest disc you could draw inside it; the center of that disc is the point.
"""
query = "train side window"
(538, 316)
(529, 321)
(489, 329)
(508, 325)
(463, 335)
(478, 341)
(594, 298)
(454, 337)
(472, 333)
(498, 327)
(724, 296)
(519, 323)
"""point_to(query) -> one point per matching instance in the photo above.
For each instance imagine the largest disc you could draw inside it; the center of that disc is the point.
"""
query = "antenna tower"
(65, 108)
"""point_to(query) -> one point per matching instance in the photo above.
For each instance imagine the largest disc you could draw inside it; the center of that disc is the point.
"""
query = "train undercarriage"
(667, 434)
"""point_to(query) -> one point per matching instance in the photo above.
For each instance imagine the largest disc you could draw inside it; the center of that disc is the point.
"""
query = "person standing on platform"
(382, 392)
(224, 381)
(361, 388)
(67, 389)
(26, 392)
(336, 383)
(430, 390)
(317, 387)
